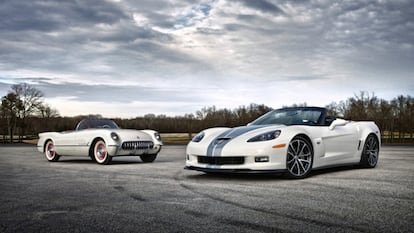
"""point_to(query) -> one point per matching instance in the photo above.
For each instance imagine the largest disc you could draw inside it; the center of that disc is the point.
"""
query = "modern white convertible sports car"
(101, 139)
(290, 140)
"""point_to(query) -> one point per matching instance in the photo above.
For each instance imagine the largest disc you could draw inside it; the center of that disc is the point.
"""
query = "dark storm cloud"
(263, 5)
(53, 15)
(110, 94)
(52, 34)
(128, 32)
(64, 46)
(122, 94)
(75, 36)
(372, 20)
(209, 31)
(379, 35)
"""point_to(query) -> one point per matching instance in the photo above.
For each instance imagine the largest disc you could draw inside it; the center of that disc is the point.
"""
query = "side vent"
(359, 144)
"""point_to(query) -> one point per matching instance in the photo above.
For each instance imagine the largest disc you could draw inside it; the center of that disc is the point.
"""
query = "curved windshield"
(97, 124)
(293, 116)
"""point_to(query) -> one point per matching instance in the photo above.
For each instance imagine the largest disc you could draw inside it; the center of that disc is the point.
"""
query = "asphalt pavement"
(77, 195)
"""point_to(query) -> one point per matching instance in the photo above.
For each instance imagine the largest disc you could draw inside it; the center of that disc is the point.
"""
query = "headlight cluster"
(157, 136)
(198, 137)
(114, 136)
(265, 136)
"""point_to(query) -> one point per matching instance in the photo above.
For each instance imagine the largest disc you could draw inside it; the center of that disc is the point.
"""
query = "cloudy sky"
(126, 58)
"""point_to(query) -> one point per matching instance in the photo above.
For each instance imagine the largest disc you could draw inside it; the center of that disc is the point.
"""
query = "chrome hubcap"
(299, 157)
(100, 151)
(50, 150)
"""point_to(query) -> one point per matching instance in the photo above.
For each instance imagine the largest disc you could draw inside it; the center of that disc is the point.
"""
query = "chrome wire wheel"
(100, 153)
(50, 152)
(299, 157)
(370, 153)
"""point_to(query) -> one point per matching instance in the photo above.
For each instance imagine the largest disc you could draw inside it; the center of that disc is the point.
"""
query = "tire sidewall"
(53, 158)
(106, 158)
(309, 144)
(364, 156)
(148, 158)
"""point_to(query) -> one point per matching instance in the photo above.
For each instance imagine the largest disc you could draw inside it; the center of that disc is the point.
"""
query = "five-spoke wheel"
(299, 157)
(369, 157)
(50, 152)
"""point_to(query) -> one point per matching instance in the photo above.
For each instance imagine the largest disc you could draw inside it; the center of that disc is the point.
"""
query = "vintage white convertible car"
(101, 139)
(290, 140)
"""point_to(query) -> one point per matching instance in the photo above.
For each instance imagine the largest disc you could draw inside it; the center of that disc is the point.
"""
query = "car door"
(71, 143)
(340, 144)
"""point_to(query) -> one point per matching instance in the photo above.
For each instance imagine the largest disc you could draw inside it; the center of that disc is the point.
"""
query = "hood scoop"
(222, 140)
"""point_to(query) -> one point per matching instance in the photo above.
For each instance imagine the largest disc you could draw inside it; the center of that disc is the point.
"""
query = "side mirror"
(329, 120)
(338, 122)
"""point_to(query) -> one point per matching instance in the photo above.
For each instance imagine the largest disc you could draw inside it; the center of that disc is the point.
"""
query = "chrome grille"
(137, 145)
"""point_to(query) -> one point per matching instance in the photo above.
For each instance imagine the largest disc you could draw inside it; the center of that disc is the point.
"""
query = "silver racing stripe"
(217, 144)
(212, 147)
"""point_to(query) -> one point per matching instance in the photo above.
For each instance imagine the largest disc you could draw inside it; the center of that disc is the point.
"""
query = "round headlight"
(157, 136)
(114, 136)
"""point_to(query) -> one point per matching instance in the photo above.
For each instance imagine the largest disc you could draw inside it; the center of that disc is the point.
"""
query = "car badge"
(137, 137)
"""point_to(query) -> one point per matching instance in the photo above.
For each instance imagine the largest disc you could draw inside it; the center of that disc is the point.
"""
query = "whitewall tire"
(100, 153)
(50, 152)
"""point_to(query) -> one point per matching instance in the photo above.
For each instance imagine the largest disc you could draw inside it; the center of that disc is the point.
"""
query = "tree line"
(23, 112)
(394, 117)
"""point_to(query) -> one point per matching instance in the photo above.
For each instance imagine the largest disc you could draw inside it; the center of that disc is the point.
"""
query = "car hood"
(215, 139)
(241, 132)
(131, 134)
(247, 130)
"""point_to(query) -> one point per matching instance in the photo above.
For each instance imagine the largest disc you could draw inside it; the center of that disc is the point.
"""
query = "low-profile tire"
(299, 158)
(369, 156)
(100, 153)
(148, 158)
(50, 152)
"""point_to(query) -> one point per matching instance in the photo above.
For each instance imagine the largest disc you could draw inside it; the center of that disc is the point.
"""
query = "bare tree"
(10, 106)
(31, 101)
(403, 110)
(45, 111)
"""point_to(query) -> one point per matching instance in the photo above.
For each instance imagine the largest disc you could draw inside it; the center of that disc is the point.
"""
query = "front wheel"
(100, 153)
(369, 156)
(50, 152)
(299, 158)
(148, 158)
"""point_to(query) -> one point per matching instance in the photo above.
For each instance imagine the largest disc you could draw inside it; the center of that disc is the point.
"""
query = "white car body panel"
(79, 142)
(338, 145)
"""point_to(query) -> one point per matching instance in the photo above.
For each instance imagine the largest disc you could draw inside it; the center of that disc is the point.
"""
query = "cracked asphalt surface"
(77, 195)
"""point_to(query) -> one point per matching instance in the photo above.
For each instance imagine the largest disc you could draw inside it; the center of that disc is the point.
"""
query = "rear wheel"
(50, 152)
(100, 153)
(148, 158)
(299, 157)
(369, 156)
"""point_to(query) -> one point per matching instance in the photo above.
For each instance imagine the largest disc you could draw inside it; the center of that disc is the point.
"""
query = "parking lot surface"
(77, 195)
